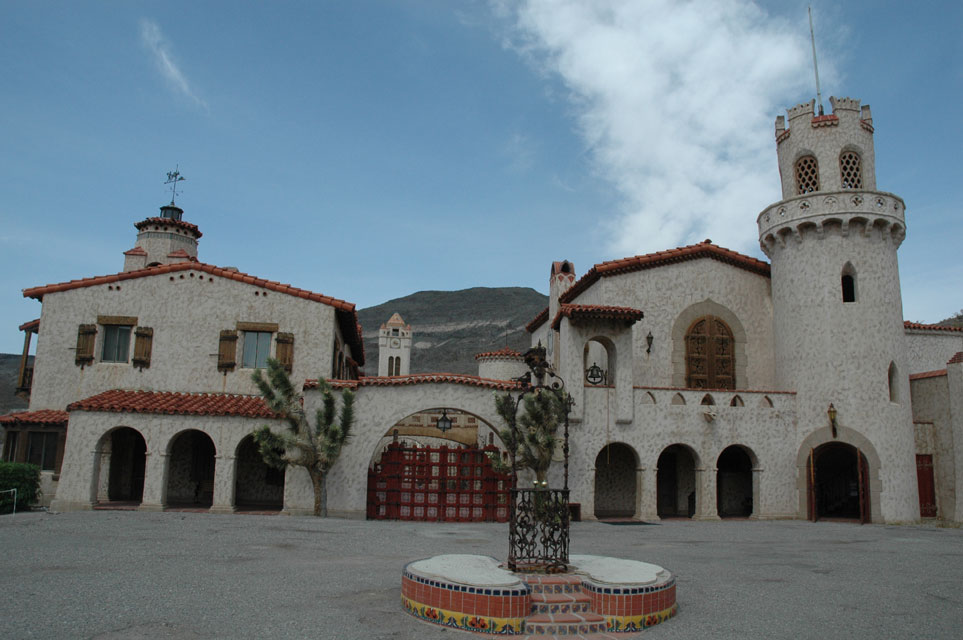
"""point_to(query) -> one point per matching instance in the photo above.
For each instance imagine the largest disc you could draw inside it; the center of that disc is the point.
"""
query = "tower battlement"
(829, 152)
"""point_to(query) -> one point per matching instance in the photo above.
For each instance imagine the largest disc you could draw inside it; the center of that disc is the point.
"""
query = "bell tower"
(166, 238)
(394, 347)
(837, 306)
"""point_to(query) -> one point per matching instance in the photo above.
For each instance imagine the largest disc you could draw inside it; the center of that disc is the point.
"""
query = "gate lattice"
(437, 484)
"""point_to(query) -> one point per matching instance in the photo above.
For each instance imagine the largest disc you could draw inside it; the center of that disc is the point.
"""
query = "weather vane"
(173, 177)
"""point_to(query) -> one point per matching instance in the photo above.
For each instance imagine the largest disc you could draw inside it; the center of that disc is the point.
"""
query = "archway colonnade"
(138, 467)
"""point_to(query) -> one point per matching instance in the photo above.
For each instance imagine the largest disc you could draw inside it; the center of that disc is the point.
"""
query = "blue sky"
(367, 150)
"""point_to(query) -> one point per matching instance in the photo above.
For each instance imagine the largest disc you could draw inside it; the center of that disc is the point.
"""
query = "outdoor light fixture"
(648, 343)
(832, 418)
(444, 422)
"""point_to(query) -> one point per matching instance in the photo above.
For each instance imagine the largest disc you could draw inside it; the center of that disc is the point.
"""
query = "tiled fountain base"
(599, 597)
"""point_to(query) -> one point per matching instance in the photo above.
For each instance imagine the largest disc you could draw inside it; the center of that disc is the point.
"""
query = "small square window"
(116, 343)
(257, 349)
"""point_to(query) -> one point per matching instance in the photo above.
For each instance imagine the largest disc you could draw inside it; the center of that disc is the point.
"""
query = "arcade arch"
(256, 484)
(121, 454)
(616, 481)
(190, 469)
(676, 482)
(734, 485)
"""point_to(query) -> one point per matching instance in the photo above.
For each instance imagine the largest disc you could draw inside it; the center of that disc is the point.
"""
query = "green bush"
(23, 477)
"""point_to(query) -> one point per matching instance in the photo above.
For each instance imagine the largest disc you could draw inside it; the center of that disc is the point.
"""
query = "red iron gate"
(437, 484)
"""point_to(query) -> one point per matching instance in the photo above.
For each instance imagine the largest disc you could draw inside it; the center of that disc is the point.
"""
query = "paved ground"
(130, 575)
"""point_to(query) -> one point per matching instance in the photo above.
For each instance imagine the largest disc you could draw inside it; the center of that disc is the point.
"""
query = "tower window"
(807, 175)
(893, 383)
(848, 281)
(850, 170)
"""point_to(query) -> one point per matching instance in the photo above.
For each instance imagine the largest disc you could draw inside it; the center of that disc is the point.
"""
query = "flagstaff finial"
(173, 177)
(812, 37)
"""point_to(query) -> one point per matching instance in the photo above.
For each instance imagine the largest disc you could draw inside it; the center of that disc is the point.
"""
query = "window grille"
(807, 175)
(851, 170)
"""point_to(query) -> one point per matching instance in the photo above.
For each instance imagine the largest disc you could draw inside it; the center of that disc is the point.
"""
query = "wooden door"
(709, 355)
(927, 486)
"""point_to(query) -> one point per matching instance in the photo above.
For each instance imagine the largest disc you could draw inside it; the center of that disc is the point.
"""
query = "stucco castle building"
(706, 383)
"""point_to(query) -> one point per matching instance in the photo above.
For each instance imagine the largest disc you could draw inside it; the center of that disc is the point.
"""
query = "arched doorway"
(676, 483)
(838, 483)
(434, 465)
(257, 485)
(123, 462)
(615, 481)
(734, 483)
(190, 475)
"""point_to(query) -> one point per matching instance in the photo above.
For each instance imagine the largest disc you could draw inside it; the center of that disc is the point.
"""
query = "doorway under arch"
(257, 485)
(676, 482)
(734, 483)
(436, 465)
(616, 493)
(190, 475)
(838, 483)
(125, 465)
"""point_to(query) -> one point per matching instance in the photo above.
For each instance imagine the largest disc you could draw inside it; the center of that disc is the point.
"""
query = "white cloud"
(153, 39)
(676, 102)
(520, 151)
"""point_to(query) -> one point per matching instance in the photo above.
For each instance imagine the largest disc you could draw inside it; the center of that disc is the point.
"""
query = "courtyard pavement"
(130, 575)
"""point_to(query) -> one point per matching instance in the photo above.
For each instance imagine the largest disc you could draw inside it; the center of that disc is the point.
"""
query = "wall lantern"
(648, 343)
(832, 418)
(444, 422)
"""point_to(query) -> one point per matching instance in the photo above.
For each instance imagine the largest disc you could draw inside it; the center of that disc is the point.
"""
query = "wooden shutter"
(86, 335)
(227, 351)
(285, 353)
(143, 342)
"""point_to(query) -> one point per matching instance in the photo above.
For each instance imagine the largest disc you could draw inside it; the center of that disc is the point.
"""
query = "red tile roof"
(43, 416)
(136, 251)
(420, 378)
(180, 253)
(957, 358)
(704, 249)
(537, 321)
(187, 226)
(347, 317)
(577, 312)
(504, 352)
(916, 326)
(174, 403)
(32, 325)
(928, 374)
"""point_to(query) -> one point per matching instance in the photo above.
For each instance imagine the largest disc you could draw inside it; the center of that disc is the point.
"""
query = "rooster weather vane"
(173, 177)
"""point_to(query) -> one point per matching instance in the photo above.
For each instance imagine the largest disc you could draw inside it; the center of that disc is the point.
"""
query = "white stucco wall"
(930, 350)
(187, 311)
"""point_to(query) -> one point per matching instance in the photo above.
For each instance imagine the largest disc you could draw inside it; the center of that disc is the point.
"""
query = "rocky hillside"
(450, 327)
(9, 368)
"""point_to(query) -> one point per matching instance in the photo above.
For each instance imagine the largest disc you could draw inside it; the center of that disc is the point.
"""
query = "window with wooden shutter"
(143, 342)
(285, 352)
(227, 351)
(86, 335)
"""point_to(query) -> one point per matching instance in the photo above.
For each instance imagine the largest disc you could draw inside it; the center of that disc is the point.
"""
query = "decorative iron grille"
(807, 175)
(850, 170)
(538, 531)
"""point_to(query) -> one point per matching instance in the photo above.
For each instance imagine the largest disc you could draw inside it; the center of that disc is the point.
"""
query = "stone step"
(564, 624)
(561, 602)
(554, 583)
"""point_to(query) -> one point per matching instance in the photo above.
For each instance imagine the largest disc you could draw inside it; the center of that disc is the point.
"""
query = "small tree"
(314, 448)
(531, 436)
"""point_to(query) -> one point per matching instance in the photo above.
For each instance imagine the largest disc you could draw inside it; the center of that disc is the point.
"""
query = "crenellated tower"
(837, 306)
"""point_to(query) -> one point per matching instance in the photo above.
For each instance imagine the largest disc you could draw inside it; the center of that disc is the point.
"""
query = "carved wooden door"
(709, 361)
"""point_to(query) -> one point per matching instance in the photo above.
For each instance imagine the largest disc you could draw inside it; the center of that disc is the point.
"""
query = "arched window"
(709, 361)
(848, 282)
(893, 376)
(850, 170)
(807, 175)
